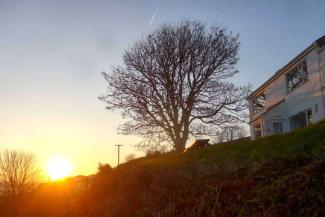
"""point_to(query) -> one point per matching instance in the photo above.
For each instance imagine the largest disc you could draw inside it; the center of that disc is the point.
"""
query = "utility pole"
(118, 153)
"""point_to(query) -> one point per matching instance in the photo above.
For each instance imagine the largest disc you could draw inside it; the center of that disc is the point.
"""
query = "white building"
(293, 97)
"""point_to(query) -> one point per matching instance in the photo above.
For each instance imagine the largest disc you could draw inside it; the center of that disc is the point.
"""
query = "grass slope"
(304, 142)
(281, 175)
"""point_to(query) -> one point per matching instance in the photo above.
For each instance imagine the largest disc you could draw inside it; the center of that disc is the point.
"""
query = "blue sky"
(52, 53)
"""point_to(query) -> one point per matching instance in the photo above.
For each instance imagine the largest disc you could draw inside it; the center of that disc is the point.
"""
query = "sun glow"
(59, 167)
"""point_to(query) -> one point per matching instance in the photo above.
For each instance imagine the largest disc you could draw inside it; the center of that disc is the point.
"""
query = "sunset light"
(59, 167)
(193, 108)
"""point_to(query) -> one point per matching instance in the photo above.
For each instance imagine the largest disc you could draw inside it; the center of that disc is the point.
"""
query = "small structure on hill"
(199, 143)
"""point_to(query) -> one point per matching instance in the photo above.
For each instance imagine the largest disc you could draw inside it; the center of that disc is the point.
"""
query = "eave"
(318, 43)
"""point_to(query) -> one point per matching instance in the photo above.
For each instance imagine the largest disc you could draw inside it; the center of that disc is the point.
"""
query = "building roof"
(267, 110)
(318, 43)
(200, 143)
(321, 41)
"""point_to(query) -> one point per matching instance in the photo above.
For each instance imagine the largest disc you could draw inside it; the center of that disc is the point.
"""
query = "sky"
(52, 53)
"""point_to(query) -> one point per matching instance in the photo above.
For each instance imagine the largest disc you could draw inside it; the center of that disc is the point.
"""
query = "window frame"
(256, 101)
(300, 73)
(277, 123)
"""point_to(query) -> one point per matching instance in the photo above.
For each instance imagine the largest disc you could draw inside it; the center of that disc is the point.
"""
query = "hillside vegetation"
(282, 175)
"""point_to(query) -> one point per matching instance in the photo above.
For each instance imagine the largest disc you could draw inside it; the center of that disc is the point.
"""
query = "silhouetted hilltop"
(281, 175)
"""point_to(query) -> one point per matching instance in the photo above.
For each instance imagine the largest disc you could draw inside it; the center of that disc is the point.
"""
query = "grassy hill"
(282, 175)
(303, 142)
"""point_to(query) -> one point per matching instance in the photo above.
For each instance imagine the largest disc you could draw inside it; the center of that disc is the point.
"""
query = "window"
(259, 103)
(297, 76)
(277, 128)
(302, 119)
(258, 131)
(298, 121)
(309, 116)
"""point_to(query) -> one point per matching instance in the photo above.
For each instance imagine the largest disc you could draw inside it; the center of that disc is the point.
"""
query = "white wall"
(309, 93)
(301, 98)
(322, 59)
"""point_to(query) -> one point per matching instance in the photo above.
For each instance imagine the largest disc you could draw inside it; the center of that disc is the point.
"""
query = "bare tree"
(241, 132)
(175, 81)
(18, 173)
(156, 149)
(230, 133)
(129, 157)
(219, 136)
(234, 132)
(104, 169)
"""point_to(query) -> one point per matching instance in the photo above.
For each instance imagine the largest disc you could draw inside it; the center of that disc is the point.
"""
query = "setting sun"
(59, 167)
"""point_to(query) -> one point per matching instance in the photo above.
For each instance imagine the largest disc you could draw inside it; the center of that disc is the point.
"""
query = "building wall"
(278, 114)
(322, 66)
(307, 95)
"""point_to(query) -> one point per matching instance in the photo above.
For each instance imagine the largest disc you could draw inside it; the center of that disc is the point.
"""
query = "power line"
(118, 153)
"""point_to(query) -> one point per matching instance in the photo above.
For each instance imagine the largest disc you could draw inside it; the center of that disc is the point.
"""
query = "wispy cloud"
(153, 18)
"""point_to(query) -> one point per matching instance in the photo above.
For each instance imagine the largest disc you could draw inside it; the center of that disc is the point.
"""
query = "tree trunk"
(180, 142)
(180, 145)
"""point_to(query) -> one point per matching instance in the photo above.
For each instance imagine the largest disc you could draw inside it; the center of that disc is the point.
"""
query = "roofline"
(321, 41)
(271, 107)
(318, 43)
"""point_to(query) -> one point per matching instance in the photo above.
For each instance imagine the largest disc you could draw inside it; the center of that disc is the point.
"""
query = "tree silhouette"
(18, 173)
(175, 81)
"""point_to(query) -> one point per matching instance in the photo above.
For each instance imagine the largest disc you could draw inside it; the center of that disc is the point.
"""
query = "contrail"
(152, 18)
